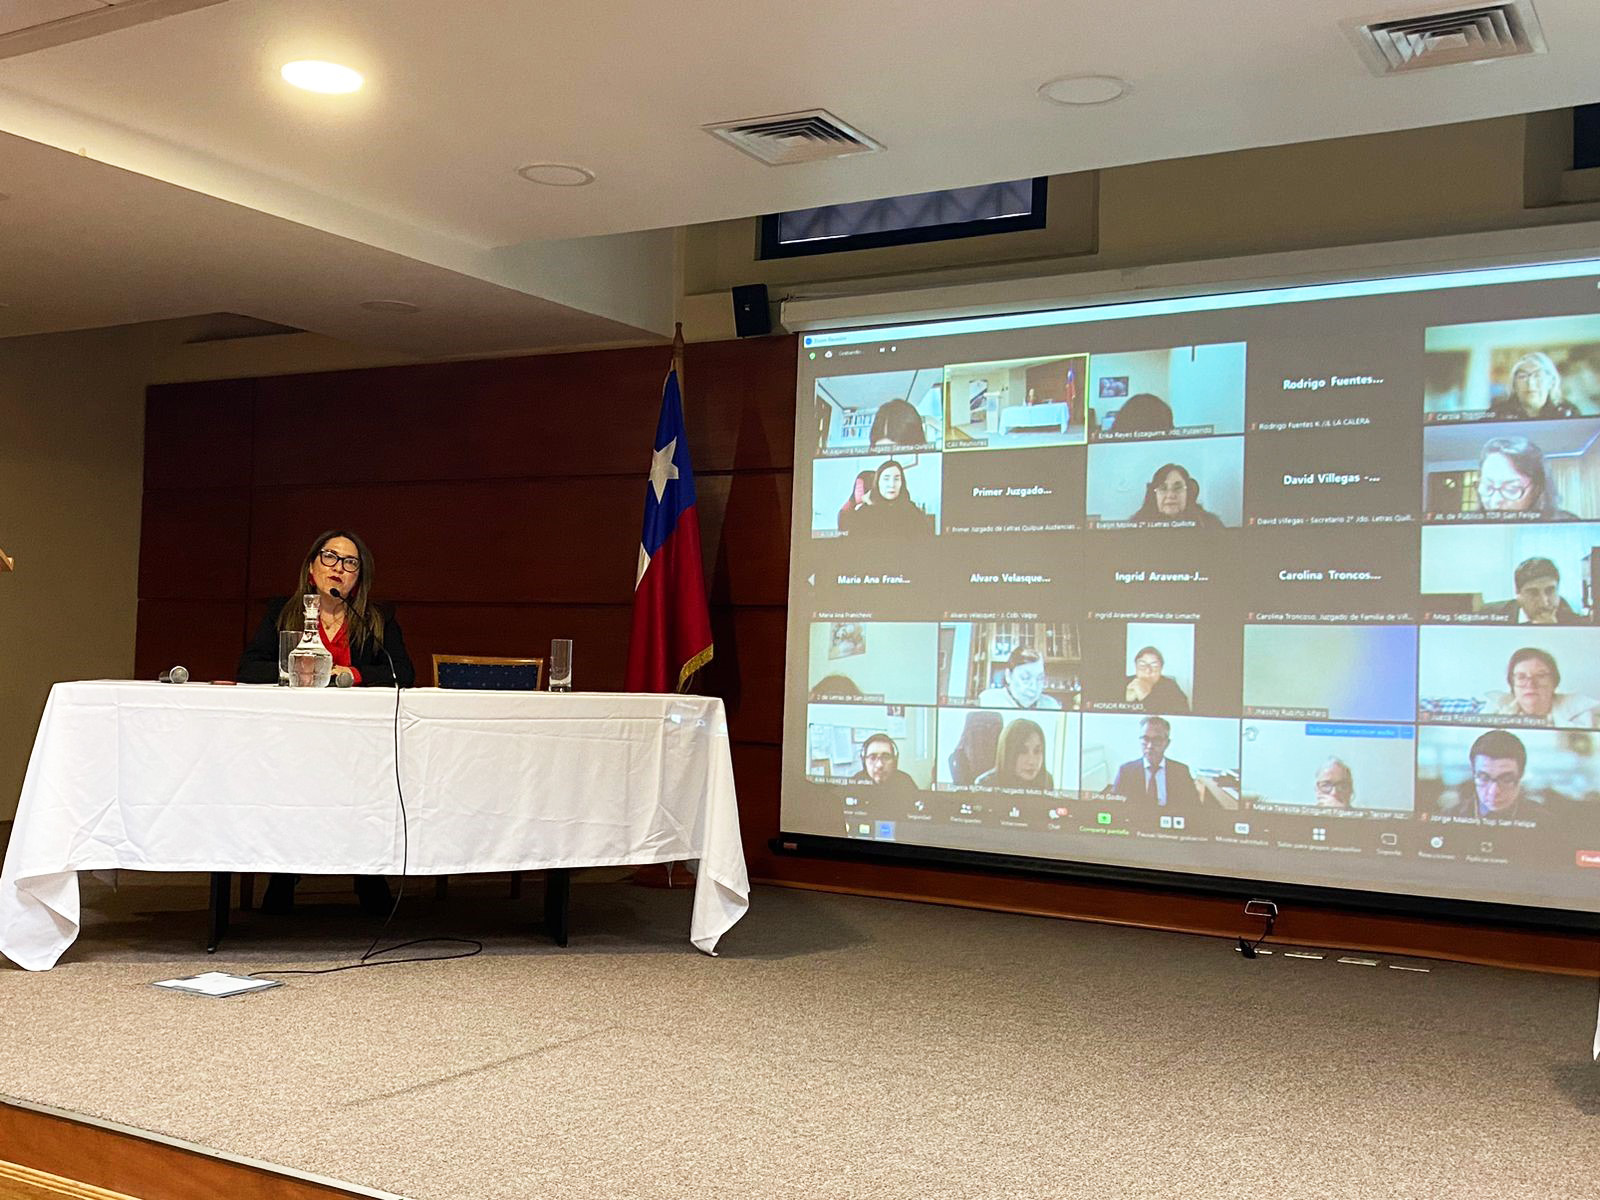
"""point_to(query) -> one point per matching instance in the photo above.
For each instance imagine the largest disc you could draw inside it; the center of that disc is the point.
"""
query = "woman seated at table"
(363, 640)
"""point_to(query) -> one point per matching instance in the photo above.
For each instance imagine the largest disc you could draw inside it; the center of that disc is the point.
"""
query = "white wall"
(71, 469)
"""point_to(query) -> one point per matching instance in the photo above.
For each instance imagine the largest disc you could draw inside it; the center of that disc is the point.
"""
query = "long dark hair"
(905, 486)
(364, 622)
(1013, 738)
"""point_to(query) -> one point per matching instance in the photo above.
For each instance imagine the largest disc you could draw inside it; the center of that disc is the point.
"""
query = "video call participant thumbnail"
(870, 758)
(1155, 575)
(1010, 664)
(1015, 492)
(1332, 475)
(1509, 675)
(1546, 778)
(1014, 750)
(1168, 667)
(1016, 403)
(886, 662)
(1021, 579)
(1194, 484)
(1538, 600)
(886, 499)
(1533, 679)
(884, 507)
(1154, 778)
(880, 412)
(1181, 391)
(1524, 369)
(1330, 672)
(1520, 574)
(1356, 375)
(1365, 574)
(1508, 477)
(1329, 765)
(1021, 685)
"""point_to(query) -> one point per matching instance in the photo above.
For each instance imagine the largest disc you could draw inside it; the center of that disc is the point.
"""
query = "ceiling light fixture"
(391, 306)
(553, 174)
(1085, 89)
(330, 79)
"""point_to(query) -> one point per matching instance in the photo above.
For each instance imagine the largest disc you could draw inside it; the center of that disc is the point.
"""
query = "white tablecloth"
(154, 777)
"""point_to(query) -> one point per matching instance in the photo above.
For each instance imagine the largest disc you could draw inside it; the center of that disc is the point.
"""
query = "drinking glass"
(561, 664)
(288, 639)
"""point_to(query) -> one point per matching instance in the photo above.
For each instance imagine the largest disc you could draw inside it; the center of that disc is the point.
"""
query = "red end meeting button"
(1589, 858)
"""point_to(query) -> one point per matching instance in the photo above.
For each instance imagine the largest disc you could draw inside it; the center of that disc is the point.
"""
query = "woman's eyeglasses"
(1514, 489)
(349, 561)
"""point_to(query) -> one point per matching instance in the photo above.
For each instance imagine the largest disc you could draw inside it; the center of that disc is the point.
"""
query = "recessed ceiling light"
(391, 306)
(330, 79)
(556, 174)
(1085, 89)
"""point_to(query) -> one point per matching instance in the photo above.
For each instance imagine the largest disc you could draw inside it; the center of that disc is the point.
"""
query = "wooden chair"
(494, 673)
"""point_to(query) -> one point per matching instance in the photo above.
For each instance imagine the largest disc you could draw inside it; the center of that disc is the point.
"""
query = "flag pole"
(677, 353)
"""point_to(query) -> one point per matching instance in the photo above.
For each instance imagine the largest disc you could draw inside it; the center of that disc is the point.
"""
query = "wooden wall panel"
(194, 543)
(747, 671)
(198, 435)
(739, 403)
(526, 540)
(744, 535)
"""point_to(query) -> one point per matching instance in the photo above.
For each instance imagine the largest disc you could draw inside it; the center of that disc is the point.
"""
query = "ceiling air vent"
(1444, 37)
(794, 137)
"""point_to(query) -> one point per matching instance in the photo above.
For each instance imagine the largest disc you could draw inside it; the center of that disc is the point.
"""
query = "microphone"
(344, 680)
(174, 675)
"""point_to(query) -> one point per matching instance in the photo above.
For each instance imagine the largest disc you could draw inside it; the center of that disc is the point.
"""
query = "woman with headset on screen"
(1172, 497)
(1019, 760)
(887, 509)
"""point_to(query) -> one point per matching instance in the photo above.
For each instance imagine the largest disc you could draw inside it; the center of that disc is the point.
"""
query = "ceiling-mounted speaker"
(752, 317)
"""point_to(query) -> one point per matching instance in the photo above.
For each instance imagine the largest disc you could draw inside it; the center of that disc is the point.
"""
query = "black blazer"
(259, 662)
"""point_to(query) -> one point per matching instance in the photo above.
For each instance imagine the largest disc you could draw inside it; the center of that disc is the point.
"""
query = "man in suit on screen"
(1538, 600)
(1163, 783)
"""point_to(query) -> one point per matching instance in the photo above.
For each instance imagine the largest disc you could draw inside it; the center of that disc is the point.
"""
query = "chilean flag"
(671, 637)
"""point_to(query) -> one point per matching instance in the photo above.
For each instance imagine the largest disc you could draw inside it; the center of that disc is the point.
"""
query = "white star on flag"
(662, 468)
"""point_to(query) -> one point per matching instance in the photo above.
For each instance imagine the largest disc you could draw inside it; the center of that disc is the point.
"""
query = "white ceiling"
(162, 167)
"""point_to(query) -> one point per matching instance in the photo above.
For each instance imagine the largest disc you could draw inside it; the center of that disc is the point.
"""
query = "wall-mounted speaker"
(751, 315)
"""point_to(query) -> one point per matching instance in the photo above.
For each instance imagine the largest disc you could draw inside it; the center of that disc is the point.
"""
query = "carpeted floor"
(840, 1047)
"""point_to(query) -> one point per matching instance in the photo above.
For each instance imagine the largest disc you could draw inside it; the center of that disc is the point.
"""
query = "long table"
(153, 777)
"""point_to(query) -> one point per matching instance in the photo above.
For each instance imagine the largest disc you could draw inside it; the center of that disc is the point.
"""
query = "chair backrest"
(487, 672)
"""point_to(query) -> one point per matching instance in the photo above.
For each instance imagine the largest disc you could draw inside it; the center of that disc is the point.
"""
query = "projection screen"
(1290, 585)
